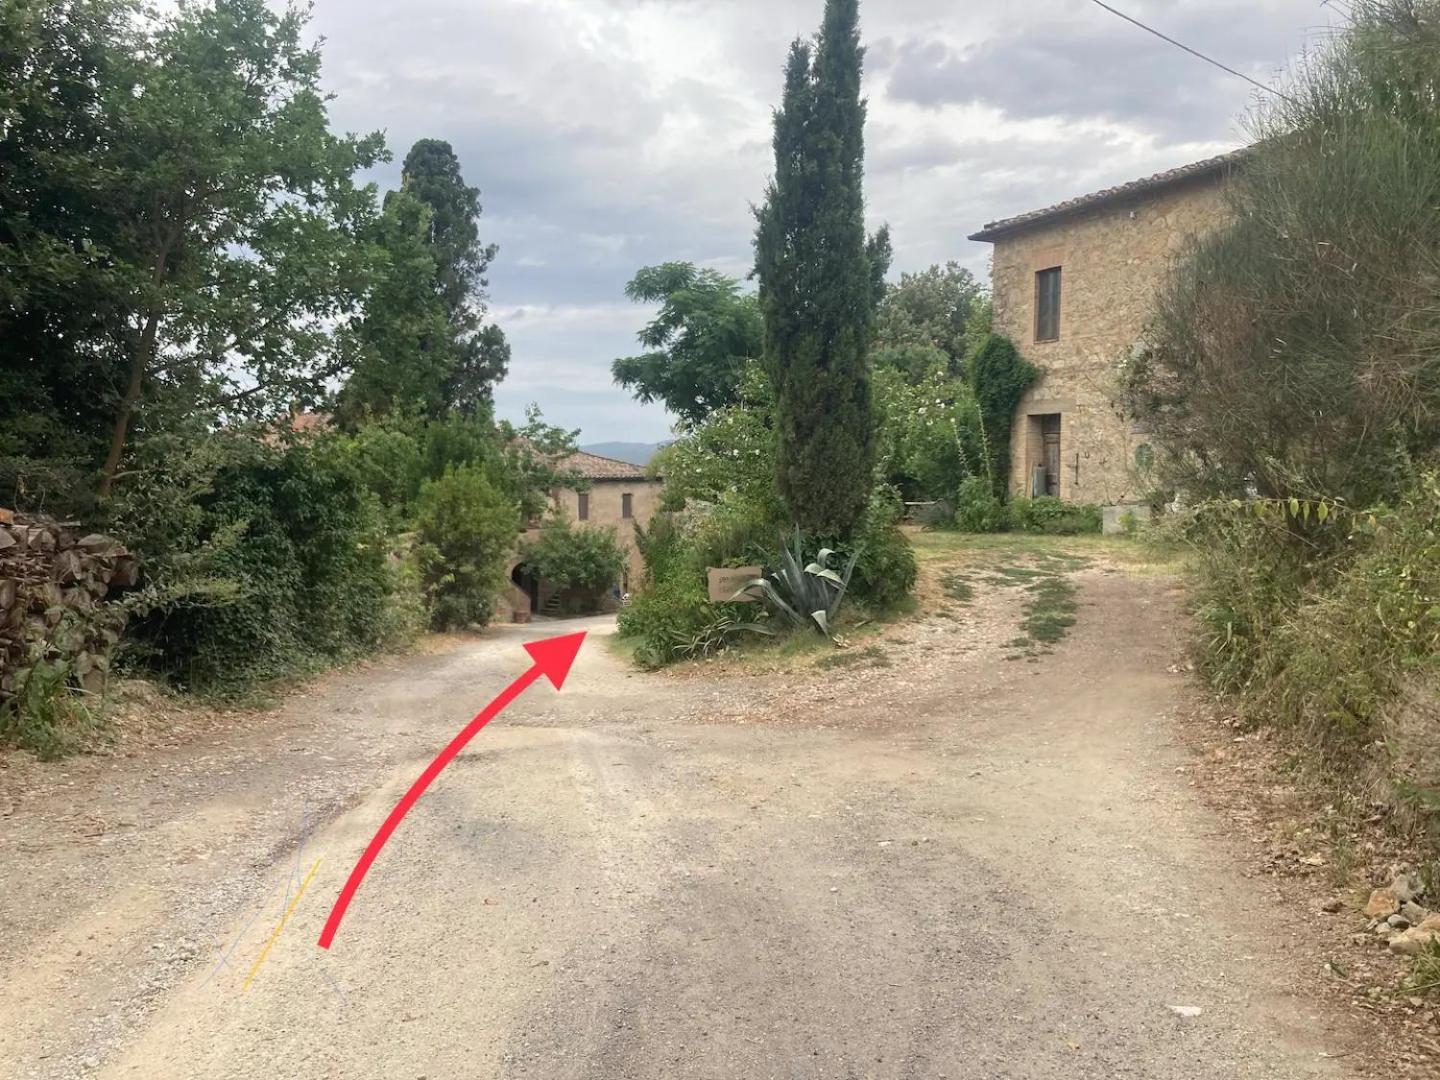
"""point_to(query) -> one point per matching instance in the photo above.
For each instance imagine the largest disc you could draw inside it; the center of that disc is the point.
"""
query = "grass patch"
(53, 727)
(1138, 555)
(1424, 977)
(1014, 577)
(957, 586)
(873, 654)
(1050, 612)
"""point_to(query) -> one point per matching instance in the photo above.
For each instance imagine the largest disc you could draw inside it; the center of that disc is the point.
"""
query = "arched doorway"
(527, 583)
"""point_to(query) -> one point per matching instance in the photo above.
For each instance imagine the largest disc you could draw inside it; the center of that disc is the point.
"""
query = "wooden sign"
(725, 582)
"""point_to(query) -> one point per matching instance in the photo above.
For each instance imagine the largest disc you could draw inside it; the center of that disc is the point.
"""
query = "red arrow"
(553, 658)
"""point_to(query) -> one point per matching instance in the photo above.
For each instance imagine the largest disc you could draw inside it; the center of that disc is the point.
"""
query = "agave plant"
(807, 595)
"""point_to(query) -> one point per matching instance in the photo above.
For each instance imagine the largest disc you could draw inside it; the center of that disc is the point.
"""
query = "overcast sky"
(606, 135)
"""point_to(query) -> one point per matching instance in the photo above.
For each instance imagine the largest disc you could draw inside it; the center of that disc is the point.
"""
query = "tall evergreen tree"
(424, 344)
(820, 280)
(431, 174)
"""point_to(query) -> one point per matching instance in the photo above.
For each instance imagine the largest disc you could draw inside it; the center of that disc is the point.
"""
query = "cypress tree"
(819, 281)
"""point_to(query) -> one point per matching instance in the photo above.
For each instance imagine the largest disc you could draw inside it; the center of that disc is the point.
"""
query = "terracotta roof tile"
(1198, 170)
(595, 467)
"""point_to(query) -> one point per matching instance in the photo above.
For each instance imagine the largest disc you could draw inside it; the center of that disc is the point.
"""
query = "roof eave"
(1124, 193)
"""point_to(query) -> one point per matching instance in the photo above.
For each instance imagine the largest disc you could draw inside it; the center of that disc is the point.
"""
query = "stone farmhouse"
(620, 494)
(1072, 287)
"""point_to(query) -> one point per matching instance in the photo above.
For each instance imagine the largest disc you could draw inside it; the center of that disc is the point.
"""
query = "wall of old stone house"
(1112, 259)
(606, 508)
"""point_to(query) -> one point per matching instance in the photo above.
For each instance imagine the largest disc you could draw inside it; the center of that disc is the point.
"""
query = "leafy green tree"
(395, 454)
(585, 559)
(730, 452)
(404, 353)
(820, 280)
(424, 342)
(942, 307)
(467, 528)
(61, 295)
(915, 363)
(929, 433)
(431, 175)
(237, 252)
(699, 341)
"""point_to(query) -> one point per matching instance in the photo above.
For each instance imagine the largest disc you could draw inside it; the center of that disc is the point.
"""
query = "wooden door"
(1050, 434)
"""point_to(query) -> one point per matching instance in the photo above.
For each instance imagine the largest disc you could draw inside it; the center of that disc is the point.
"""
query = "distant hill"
(637, 453)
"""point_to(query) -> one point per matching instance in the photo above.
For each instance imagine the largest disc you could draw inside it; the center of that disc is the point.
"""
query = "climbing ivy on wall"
(1000, 376)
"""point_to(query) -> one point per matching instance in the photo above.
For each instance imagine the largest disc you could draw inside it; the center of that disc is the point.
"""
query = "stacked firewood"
(56, 598)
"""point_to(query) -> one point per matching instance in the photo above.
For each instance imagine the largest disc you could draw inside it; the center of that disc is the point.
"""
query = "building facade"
(1072, 287)
(619, 495)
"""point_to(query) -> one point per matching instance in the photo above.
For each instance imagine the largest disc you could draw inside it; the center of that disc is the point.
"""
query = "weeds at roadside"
(1424, 977)
(872, 653)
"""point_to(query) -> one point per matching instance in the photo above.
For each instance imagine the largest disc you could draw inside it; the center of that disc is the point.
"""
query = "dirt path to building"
(931, 862)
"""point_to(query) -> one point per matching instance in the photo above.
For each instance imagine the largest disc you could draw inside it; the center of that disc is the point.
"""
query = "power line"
(1186, 48)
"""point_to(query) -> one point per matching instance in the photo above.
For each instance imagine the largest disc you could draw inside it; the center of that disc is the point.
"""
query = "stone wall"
(54, 591)
(1112, 259)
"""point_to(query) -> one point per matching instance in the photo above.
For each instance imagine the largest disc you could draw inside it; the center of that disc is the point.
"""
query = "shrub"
(734, 532)
(467, 529)
(662, 546)
(978, 509)
(1294, 352)
(584, 560)
(673, 619)
(1327, 646)
(1054, 517)
(885, 571)
(262, 562)
(929, 434)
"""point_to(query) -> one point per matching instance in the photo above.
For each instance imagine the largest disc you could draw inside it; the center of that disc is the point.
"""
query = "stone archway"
(527, 583)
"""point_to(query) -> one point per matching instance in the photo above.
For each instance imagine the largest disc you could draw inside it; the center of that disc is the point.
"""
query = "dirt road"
(952, 866)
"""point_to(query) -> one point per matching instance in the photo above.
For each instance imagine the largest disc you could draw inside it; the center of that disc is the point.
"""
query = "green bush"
(467, 530)
(662, 546)
(582, 560)
(978, 509)
(672, 619)
(735, 532)
(1054, 517)
(886, 570)
(262, 562)
(1325, 645)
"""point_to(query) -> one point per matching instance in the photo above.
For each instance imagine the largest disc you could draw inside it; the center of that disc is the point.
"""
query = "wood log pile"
(56, 601)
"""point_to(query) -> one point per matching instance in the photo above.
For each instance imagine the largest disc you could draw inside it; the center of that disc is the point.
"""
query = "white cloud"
(610, 134)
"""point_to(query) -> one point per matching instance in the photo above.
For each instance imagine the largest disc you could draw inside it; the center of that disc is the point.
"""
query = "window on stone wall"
(584, 511)
(1047, 304)
(627, 506)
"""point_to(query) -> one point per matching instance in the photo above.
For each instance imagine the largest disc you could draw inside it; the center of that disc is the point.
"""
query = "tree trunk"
(139, 363)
